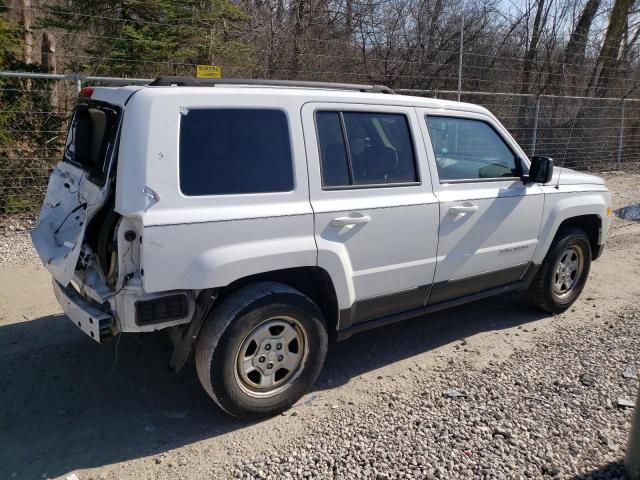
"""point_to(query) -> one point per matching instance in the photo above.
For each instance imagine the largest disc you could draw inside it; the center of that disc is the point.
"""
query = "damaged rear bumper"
(87, 316)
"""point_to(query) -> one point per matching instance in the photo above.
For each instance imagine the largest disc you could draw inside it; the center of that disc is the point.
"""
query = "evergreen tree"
(10, 98)
(134, 38)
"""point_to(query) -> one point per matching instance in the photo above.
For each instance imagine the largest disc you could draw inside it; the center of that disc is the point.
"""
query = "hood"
(572, 177)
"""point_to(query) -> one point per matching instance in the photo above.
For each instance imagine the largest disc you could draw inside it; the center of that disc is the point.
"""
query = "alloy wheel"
(271, 357)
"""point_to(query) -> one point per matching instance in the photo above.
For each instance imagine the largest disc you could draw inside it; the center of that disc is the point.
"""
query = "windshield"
(90, 140)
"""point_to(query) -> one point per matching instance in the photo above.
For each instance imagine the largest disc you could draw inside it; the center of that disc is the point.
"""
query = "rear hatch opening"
(78, 206)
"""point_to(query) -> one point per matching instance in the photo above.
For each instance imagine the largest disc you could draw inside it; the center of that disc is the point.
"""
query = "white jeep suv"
(255, 219)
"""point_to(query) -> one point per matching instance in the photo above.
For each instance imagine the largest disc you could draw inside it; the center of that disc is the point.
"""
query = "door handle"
(344, 221)
(456, 209)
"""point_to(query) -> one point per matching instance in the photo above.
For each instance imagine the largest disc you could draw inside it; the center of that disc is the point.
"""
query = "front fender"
(562, 206)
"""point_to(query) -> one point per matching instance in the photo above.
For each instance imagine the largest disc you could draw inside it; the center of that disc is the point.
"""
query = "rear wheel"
(563, 272)
(261, 350)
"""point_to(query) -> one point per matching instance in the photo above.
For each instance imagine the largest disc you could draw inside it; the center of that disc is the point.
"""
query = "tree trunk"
(564, 79)
(27, 33)
(49, 63)
(280, 10)
(608, 59)
(298, 30)
(526, 102)
(574, 52)
(349, 18)
(532, 50)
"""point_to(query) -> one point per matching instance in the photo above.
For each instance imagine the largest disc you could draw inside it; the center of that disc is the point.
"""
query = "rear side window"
(234, 151)
(365, 148)
(91, 136)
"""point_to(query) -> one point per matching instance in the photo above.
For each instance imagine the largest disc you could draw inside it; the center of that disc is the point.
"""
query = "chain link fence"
(593, 134)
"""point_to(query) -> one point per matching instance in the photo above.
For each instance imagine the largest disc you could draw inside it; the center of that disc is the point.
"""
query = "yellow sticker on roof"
(208, 71)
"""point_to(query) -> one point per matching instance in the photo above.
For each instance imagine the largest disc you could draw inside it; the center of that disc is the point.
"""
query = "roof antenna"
(566, 147)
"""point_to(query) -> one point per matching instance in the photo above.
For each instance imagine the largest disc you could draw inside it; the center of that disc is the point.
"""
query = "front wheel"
(563, 272)
(261, 350)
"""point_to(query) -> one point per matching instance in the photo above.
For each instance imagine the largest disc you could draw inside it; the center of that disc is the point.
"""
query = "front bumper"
(87, 316)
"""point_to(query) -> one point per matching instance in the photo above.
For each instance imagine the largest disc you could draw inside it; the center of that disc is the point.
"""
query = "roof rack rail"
(185, 81)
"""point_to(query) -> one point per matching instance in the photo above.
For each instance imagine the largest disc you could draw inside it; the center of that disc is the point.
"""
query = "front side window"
(362, 148)
(468, 149)
(227, 151)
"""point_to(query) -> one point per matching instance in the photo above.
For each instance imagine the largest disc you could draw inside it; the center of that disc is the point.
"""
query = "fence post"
(536, 114)
(460, 56)
(78, 84)
(632, 459)
(620, 134)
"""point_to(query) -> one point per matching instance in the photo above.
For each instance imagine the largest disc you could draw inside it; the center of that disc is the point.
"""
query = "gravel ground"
(493, 389)
(16, 249)
(549, 411)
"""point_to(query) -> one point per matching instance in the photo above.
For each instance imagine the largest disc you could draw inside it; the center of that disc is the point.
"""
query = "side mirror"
(540, 171)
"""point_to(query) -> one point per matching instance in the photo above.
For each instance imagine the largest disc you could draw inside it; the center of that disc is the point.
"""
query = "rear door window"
(90, 139)
(365, 149)
(333, 150)
(235, 151)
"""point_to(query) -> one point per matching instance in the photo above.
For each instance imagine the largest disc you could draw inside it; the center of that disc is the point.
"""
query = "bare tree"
(607, 62)
(575, 49)
(539, 24)
(567, 73)
(298, 13)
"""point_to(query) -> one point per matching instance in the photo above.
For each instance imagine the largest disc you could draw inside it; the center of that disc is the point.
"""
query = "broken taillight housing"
(86, 92)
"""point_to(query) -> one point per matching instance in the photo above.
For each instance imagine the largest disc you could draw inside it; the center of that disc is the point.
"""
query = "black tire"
(541, 293)
(228, 327)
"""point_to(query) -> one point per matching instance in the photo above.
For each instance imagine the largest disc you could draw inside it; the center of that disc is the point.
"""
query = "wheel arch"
(585, 211)
(590, 224)
(314, 282)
